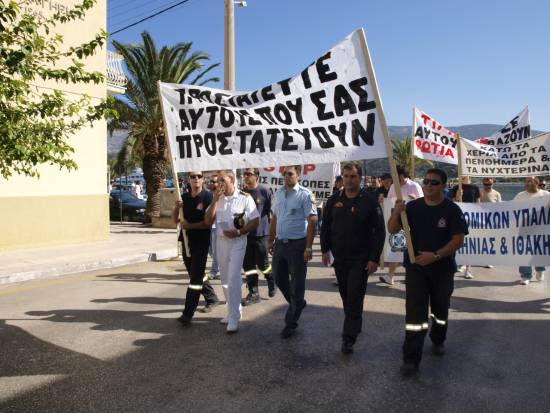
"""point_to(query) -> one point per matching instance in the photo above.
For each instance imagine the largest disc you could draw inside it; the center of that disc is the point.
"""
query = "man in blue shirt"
(291, 235)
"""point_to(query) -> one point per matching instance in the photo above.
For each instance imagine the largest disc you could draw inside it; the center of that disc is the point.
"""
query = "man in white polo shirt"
(409, 190)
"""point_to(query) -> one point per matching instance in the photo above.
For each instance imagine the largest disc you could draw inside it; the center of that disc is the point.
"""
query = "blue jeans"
(527, 272)
(212, 251)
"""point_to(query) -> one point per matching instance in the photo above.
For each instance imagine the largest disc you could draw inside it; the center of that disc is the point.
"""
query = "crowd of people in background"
(240, 225)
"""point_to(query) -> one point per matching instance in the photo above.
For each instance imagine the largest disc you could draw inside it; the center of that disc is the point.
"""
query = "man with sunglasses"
(256, 261)
(291, 234)
(194, 205)
(236, 215)
(438, 228)
(488, 194)
(353, 230)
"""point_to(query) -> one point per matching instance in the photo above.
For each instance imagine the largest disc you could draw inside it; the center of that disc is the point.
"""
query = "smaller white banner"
(395, 244)
(318, 178)
(515, 159)
(432, 141)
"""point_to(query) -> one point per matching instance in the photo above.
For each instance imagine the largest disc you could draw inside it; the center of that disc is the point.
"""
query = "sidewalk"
(129, 243)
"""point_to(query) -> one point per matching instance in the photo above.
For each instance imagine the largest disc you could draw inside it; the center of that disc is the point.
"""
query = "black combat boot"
(253, 297)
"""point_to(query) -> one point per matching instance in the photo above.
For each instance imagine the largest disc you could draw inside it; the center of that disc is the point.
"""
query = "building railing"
(116, 79)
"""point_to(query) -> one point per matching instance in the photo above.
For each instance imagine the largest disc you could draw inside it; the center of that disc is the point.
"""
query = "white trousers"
(230, 254)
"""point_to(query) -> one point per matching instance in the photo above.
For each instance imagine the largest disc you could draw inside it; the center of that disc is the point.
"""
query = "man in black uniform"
(195, 204)
(437, 231)
(255, 259)
(353, 230)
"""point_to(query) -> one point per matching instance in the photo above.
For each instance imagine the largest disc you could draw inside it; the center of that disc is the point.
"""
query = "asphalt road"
(108, 341)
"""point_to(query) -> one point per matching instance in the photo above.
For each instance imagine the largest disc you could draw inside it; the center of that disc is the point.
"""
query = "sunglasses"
(432, 182)
(249, 174)
(195, 176)
(487, 184)
(289, 173)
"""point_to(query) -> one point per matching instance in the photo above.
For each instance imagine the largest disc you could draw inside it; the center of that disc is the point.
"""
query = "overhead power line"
(148, 17)
(135, 7)
(133, 17)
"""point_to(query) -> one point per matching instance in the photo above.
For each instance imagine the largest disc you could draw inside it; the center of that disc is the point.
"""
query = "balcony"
(116, 79)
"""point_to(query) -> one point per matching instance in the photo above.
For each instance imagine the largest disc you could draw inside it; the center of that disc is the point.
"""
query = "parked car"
(133, 209)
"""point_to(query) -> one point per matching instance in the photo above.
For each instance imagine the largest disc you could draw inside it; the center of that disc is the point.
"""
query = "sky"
(462, 62)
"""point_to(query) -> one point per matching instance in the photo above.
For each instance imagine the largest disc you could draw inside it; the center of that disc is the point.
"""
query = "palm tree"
(139, 109)
(402, 154)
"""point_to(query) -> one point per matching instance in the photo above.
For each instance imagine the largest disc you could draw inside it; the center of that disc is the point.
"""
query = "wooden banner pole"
(459, 153)
(413, 174)
(187, 252)
(389, 149)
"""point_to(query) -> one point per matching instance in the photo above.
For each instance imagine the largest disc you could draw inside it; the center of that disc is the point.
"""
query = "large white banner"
(326, 113)
(515, 159)
(432, 141)
(317, 178)
(507, 233)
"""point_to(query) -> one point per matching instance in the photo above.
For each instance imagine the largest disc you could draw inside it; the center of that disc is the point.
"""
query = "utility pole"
(229, 44)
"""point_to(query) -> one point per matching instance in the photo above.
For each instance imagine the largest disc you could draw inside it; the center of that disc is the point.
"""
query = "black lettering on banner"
(219, 98)
(197, 139)
(224, 143)
(316, 99)
(265, 113)
(296, 108)
(339, 133)
(287, 141)
(184, 121)
(254, 96)
(285, 86)
(357, 87)
(243, 134)
(210, 143)
(211, 110)
(257, 142)
(243, 99)
(182, 96)
(252, 121)
(204, 96)
(282, 114)
(343, 101)
(273, 138)
(184, 146)
(511, 125)
(322, 136)
(227, 117)
(242, 114)
(194, 93)
(367, 134)
(419, 132)
(307, 137)
(195, 116)
(267, 93)
(305, 77)
(323, 69)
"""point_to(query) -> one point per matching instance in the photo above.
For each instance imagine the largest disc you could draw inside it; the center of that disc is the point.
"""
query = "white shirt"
(407, 189)
(527, 195)
(231, 206)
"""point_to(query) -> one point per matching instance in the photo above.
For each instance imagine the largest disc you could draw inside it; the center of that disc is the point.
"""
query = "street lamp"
(229, 43)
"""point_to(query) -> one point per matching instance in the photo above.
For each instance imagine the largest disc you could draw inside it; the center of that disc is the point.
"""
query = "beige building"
(61, 206)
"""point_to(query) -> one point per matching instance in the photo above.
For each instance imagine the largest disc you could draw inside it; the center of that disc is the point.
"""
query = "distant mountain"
(115, 142)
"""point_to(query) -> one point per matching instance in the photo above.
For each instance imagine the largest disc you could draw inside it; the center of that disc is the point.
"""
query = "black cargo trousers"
(198, 280)
(428, 295)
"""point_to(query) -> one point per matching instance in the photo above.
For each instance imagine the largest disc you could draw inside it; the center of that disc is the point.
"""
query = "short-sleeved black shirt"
(470, 193)
(262, 198)
(193, 211)
(432, 227)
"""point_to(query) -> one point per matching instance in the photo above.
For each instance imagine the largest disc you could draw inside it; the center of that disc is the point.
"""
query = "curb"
(77, 268)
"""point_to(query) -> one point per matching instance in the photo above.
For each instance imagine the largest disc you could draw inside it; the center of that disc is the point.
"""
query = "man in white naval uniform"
(236, 215)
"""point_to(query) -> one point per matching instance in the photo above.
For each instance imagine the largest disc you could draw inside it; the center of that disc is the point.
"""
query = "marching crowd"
(240, 228)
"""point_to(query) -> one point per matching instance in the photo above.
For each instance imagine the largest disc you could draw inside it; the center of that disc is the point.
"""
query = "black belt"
(288, 241)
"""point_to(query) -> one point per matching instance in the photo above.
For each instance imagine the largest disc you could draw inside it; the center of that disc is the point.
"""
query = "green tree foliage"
(139, 109)
(402, 154)
(36, 124)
